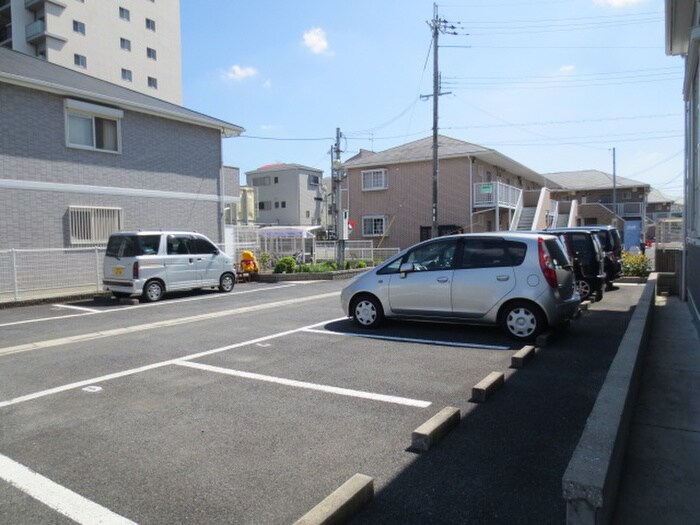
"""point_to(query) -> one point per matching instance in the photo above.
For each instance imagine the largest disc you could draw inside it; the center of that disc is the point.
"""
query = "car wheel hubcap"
(227, 283)
(365, 312)
(154, 292)
(521, 322)
(583, 288)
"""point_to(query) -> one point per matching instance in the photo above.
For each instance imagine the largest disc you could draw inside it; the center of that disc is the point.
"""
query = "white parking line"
(309, 386)
(57, 497)
(159, 324)
(410, 340)
(146, 368)
(81, 308)
(149, 305)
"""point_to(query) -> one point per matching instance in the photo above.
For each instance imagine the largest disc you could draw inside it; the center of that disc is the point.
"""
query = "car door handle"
(503, 277)
(442, 279)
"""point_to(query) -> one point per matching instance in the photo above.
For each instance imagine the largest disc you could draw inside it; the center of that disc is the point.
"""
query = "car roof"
(156, 232)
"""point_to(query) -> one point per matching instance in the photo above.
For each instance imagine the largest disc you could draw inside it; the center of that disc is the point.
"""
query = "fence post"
(97, 270)
(14, 274)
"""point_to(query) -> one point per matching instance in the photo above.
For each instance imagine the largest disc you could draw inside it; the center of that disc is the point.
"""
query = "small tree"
(285, 265)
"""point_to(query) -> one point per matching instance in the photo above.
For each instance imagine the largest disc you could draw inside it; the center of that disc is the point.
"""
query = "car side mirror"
(406, 268)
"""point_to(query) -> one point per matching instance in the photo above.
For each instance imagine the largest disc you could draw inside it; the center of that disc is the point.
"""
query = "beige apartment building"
(132, 43)
(389, 193)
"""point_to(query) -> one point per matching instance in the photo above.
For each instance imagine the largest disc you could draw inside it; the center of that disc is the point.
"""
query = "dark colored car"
(586, 252)
(611, 241)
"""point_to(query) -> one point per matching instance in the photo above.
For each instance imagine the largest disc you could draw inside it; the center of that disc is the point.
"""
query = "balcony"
(626, 209)
(491, 194)
(36, 5)
(35, 31)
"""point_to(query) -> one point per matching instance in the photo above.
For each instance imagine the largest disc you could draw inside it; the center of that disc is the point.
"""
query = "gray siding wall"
(157, 154)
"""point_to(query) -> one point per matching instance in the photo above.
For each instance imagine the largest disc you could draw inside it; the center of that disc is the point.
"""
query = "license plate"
(118, 271)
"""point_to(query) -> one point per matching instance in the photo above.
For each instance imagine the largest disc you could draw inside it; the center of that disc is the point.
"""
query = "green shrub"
(285, 265)
(265, 260)
(635, 265)
(361, 264)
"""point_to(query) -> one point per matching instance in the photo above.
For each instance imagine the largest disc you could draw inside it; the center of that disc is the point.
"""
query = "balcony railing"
(35, 29)
(487, 194)
(626, 209)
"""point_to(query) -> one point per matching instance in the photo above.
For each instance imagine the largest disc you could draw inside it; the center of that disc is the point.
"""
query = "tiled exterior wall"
(407, 202)
(157, 154)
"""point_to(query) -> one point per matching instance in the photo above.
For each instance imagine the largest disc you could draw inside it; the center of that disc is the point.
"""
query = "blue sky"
(553, 84)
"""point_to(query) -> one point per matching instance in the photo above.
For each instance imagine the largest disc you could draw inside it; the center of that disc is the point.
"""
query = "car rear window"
(556, 252)
(605, 240)
(132, 245)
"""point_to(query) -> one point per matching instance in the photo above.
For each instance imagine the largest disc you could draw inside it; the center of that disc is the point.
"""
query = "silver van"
(151, 263)
(523, 282)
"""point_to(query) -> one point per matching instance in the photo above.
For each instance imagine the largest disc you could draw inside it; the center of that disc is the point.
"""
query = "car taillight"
(546, 264)
(135, 270)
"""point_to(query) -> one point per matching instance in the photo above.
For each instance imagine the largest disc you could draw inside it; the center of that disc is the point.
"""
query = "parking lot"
(253, 406)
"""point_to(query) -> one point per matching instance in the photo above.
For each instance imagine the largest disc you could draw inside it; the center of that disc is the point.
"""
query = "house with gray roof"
(81, 157)
(389, 193)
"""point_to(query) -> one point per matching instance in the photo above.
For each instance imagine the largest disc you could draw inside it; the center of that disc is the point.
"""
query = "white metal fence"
(27, 274)
(31, 274)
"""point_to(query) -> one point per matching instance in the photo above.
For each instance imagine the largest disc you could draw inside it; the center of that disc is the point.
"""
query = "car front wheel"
(367, 312)
(523, 320)
(226, 282)
(583, 287)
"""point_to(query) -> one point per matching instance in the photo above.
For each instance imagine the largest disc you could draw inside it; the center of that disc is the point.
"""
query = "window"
(373, 225)
(126, 74)
(264, 205)
(125, 44)
(261, 181)
(90, 225)
(150, 24)
(308, 214)
(485, 253)
(180, 245)
(153, 82)
(437, 255)
(314, 180)
(80, 60)
(89, 126)
(374, 180)
(151, 53)
(284, 204)
(124, 14)
(277, 179)
(277, 204)
(79, 27)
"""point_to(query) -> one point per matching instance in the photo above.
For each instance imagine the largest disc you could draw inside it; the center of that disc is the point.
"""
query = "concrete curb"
(342, 504)
(592, 477)
(308, 276)
(433, 430)
(522, 356)
(487, 386)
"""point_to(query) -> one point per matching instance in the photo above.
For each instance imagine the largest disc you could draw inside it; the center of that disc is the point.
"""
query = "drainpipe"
(471, 193)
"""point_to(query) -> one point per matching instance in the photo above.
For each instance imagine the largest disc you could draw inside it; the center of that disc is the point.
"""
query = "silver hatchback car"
(523, 282)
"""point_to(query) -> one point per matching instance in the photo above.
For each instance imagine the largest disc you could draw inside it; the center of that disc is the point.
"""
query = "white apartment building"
(131, 43)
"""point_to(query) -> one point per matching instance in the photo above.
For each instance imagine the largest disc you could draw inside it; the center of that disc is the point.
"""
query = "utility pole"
(614, 190)
(337, 177)
(437, 26)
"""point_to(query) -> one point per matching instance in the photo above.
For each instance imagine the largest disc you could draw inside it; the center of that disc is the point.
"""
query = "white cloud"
(618, 3)
(315, 39)
(239, 73)
(567, 69)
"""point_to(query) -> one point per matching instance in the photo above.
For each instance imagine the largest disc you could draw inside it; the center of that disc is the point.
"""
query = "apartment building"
(81, 158)
(389, 193)
(288, 194)
(131, 43)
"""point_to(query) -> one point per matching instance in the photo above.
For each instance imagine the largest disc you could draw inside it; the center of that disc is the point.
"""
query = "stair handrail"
(518, 211)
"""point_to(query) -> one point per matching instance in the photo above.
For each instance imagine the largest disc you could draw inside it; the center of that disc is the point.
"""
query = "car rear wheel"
(153, 291)
(226, 282)
(367, 312)
(523, 320)
(583, 287)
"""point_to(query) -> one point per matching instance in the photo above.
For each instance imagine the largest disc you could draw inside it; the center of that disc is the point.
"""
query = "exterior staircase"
(562, 220)
(527, 217)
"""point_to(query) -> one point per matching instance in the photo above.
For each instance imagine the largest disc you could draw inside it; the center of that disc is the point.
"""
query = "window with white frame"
(91, 225)
(80, 60)
(89, 126)
(126, 74)
(151, 53)
(79, 27)
(265, 205)
(314, 180)
(150, 24)
(261, 181)
(153, 82)
(124, 13)
(125, 44)
(374, 180)
(373, 225)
